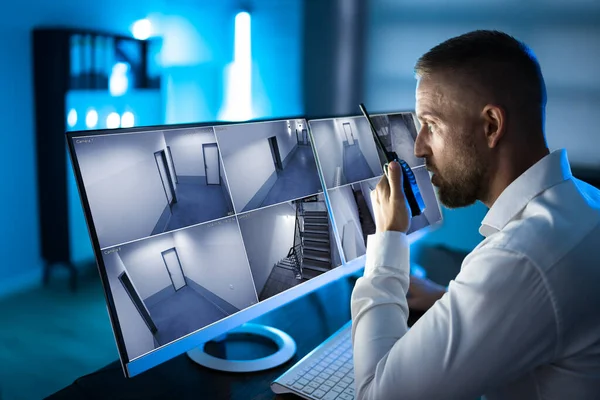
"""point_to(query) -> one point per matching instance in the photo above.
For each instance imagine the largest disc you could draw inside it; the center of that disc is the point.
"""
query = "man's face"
(452, 141)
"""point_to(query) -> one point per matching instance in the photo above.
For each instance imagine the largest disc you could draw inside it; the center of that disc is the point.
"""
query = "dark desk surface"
(309, 320)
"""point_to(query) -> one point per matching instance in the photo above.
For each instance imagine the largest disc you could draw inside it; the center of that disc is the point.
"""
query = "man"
(522, 318)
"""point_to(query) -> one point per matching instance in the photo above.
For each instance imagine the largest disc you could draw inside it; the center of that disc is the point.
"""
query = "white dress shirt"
(520, 321)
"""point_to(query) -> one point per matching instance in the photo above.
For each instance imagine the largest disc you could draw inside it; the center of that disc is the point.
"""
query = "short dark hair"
(499, 61)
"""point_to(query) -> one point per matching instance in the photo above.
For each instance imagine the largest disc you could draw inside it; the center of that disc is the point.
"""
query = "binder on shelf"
(99, 76)
(78, 58)
(109, 58)
(87, 61)
(75, 58)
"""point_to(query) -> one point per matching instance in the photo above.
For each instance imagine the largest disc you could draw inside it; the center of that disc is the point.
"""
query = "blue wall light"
(119, 79)
(72, 118)
(127, 120)
(113, 120)
(91, 119)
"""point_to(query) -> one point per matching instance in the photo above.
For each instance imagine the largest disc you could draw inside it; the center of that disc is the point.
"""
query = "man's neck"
(510, 168)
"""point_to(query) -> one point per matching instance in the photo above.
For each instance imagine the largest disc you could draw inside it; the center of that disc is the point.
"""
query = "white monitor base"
(286, 345)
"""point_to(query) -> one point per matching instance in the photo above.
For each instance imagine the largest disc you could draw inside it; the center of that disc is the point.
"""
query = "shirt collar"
(547, 172)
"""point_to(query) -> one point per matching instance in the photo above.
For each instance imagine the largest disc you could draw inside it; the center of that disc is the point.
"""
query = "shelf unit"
(66, 61)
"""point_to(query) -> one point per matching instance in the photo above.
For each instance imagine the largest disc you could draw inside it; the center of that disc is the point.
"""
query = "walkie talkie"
(411, 188)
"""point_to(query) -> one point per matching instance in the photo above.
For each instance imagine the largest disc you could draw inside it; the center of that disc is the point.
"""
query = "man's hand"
(423, 293)
(391, 209)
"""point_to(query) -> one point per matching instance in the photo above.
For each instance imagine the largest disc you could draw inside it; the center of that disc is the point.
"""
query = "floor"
(281, 278)
(50, 336)
(356, 167)
(196, 203)
(183, 312)
(298, 179)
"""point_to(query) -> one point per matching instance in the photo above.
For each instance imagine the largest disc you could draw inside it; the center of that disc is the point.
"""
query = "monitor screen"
(351, 169)
(198, 229)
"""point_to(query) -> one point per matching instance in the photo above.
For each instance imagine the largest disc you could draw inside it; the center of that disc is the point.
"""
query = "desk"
(309, 320)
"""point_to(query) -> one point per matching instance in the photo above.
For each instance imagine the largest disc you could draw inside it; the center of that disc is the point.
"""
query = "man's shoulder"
(552, 225)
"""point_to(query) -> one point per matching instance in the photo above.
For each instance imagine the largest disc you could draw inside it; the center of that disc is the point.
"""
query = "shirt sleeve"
(495, 324)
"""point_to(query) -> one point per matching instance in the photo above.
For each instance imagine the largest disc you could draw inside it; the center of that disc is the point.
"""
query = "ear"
(494, 118)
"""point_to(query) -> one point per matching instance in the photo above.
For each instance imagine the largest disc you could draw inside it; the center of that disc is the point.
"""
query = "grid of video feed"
(351, 168)
(196, 224)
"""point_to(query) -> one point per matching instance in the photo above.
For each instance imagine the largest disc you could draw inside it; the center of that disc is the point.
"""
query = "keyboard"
(326, 373)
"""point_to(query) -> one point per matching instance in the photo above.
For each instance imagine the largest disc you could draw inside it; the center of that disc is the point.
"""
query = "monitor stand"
(248, 341)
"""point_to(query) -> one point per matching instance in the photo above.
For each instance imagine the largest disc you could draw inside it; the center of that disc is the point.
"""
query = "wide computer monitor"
(199, 229)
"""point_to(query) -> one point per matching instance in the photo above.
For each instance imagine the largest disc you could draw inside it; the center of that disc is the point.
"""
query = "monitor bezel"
(171, 350)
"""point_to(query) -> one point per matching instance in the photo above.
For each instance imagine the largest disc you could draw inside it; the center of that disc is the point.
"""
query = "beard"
(463, 181)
